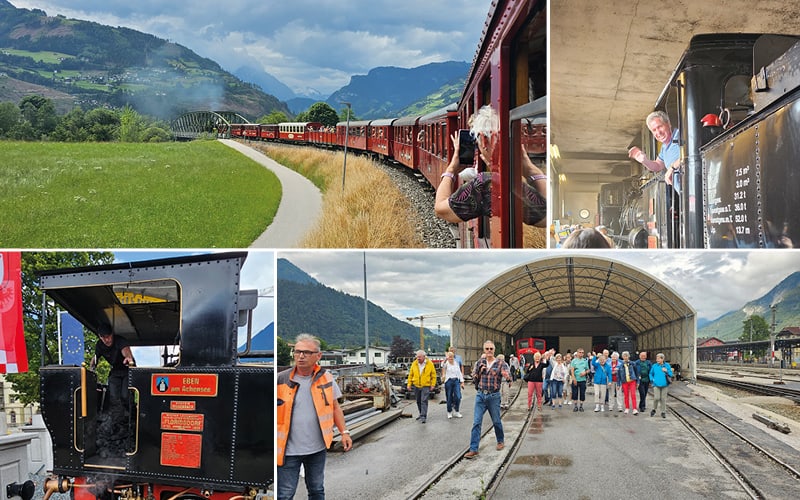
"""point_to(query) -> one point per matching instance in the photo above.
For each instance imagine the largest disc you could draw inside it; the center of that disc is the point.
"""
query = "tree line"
(321, 112)
(35, 119)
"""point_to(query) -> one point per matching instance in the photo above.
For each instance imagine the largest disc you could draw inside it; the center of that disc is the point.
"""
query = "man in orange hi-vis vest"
(307, 411)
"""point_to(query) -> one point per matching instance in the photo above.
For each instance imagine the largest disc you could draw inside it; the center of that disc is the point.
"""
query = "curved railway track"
(450, 474)
(762, 473)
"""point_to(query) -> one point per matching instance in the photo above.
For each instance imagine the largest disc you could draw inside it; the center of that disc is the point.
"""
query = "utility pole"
(366, 317)
(772, 338)
(346, 139)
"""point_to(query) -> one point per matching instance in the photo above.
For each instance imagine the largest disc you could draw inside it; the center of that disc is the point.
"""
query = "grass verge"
(199, 194)
(369, 213)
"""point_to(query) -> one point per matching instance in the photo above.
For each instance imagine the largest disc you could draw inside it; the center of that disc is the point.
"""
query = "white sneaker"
(635, 411)
(602, 408)
(596, 407)
(449, 415)
(626, 410)
(458, 415)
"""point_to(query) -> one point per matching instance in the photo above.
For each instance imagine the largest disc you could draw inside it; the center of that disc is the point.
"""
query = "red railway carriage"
(296, 131)
(268, 131)
(322, 136)
(381, 135)
(356, 136)
(433, 142)
(508, 72)
(405, 141)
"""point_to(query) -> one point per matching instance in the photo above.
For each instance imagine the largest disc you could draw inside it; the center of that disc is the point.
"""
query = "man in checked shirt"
(490, 373)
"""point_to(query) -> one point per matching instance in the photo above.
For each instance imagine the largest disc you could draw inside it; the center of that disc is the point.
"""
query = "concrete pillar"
(14, 459)
(41, 446)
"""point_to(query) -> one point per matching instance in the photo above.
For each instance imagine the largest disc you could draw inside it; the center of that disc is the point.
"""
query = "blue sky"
(303, 43)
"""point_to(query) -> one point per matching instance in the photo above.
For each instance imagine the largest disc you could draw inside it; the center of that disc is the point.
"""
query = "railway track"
(762, 472)
(766, 390)
(449, 480)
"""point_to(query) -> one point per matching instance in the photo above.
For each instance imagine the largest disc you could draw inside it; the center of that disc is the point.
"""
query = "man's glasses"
(488, 348)
(304, 353)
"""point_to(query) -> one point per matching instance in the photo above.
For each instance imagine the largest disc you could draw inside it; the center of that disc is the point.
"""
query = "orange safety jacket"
(322, 395)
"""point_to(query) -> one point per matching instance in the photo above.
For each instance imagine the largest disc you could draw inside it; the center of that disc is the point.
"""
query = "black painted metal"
(231, 428)
(752, 183)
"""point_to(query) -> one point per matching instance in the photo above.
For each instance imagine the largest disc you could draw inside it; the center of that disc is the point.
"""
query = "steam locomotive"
(734, 99)
(200, 425)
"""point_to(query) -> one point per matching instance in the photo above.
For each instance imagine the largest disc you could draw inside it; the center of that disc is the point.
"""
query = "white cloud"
(409, 283)
(303, 43)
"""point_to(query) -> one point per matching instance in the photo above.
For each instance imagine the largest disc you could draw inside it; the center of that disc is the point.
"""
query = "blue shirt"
(669, 153)
(581, 365)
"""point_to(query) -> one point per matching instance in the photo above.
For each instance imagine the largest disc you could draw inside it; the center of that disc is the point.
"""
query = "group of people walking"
(616, 381)
(552, 379)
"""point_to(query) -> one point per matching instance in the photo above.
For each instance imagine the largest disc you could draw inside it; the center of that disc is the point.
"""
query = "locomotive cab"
(199, 420)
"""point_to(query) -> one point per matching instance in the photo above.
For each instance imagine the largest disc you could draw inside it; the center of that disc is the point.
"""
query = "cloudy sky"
(317, 44)
(409, 283)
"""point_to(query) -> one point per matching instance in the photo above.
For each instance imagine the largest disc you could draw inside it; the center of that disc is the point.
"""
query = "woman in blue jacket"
(660, 377)
(602, 380)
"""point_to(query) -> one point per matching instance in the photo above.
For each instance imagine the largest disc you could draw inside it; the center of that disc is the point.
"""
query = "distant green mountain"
(786, 299)
(307, 306)
(389, 92)
(102, 65)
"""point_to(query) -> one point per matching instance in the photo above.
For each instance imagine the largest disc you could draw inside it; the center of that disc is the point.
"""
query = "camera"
(466, 147)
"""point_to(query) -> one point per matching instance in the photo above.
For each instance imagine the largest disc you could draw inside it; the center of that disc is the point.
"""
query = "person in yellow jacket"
(422, 377)
(307, 411)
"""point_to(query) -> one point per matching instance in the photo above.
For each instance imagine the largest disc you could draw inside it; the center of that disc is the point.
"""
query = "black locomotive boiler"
(734, 99)
(201, 424)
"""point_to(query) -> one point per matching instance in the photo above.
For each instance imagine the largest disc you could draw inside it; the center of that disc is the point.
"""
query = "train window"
(528, 164)
(443, 135)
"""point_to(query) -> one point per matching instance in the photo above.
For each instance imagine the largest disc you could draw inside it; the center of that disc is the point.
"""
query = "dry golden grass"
(534, 237)
(369, 213)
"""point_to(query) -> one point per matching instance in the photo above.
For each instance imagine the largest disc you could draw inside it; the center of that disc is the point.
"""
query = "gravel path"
(435, 232)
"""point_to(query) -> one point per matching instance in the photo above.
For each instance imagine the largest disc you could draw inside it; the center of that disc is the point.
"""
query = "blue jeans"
(556, 390)
(484, 402)
(452, 391)
(546, 390)
(289, 474)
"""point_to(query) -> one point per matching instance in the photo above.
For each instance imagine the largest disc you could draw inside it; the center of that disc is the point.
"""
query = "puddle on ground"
(544, 460)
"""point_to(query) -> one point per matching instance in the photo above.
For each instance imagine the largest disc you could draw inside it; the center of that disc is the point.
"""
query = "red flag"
(13, 354)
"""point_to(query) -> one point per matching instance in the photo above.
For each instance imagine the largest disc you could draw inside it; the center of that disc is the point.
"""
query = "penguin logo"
(162, 384)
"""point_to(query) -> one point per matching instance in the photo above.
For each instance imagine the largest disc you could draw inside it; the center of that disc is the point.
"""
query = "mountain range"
(785, 297)
(76, 62)
(384, 92)
(90, 64)
(308, 306)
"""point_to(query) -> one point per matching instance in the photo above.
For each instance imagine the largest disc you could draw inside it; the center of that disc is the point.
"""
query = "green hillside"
(786, 299)
(306, 306)
(99, 65)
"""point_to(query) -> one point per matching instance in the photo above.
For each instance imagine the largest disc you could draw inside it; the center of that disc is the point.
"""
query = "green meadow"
(198, 194)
